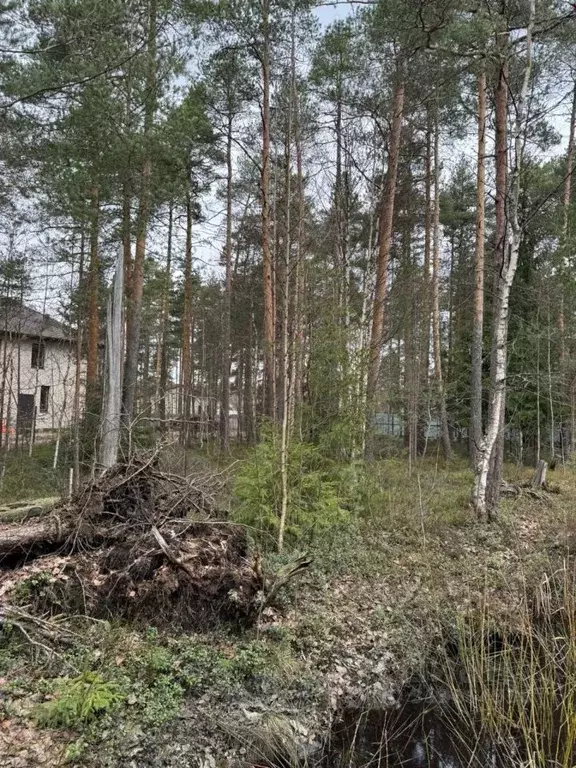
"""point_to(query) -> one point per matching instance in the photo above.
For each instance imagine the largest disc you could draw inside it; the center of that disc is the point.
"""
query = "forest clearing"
(287, 383)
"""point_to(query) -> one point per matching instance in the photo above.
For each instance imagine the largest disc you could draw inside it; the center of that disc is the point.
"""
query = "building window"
(44, 399)
(38, 354)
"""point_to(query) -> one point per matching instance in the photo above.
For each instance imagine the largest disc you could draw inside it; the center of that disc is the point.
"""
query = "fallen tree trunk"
(23, 510)
(17, 539)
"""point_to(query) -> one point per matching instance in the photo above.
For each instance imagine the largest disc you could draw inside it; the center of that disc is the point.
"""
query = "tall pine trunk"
(164, 330)
(137, 273)
(567, 391)
(297, 336)
(186, 370)
(77, 409)
(423, 406)
(287, 368)
(444, 427)
(384, 245)
(268, 267)
(93, 301)
(226, 319)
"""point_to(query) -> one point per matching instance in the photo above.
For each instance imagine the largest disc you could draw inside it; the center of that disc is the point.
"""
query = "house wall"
(17, 376)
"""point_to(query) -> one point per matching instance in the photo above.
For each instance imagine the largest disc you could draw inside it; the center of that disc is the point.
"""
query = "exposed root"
(137, 543)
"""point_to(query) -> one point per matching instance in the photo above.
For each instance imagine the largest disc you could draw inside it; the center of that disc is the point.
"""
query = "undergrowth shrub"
(313, 501)
(78, 700)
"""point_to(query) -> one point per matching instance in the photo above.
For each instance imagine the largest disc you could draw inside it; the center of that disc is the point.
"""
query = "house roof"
(20, 320)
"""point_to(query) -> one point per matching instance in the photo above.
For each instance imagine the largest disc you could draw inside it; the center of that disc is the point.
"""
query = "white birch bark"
(112, 406)
(505, 280)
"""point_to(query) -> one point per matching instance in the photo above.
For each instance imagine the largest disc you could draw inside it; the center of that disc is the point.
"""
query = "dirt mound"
(136, 543)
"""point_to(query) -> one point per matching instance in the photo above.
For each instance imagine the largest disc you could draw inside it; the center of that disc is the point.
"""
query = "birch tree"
(503, 284)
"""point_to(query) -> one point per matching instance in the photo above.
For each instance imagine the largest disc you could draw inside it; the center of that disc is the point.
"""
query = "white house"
(37, 373)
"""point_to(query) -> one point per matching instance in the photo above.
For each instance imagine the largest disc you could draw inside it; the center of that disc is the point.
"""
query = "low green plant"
(33, 586)
(78, 700)
(160, 701)
(313, 502)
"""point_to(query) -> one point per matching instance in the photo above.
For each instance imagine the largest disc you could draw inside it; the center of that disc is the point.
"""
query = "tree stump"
(539, 477)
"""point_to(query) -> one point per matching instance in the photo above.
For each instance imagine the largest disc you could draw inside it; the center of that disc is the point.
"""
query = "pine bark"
(134, 320)
(286, 348)
(186, 371)
(384, 245)
(127, 236)
(164, 331)
(444, 427)
(568, 391)
(423, 409)
(93, 301)
(226, 318)
(297, 341)
(78, 373)
(567, 193)
(478, 316)
(268, 267)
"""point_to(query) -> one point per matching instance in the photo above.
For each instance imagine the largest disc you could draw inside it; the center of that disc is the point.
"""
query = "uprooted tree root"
(138, 544)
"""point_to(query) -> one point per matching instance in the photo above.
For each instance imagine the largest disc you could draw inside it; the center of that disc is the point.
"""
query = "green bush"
(78, 700)
(313, 501)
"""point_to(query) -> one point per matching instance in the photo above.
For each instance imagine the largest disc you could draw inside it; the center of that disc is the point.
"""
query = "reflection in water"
(413, 736)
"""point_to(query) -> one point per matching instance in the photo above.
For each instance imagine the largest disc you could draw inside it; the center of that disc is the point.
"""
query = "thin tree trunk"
(504, 286)
(445, 433)
(297, 341)
(478, 316)
(186, 371)
(93, 296)
(127, 236)
(285, 435)
(385, 242)
(226, 320)
(249, 398)
(538, 430)
(501, 147)
(423, 404)
(567, 195)
(112, 410)
(268, 269)
(566, 238)
(550, 386)
(163, 379)
(137, 276)
(78, 372)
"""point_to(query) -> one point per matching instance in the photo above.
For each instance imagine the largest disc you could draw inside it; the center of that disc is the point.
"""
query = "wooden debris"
(539, 478)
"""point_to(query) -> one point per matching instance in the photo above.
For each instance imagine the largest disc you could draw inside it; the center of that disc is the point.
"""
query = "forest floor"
(377, 602)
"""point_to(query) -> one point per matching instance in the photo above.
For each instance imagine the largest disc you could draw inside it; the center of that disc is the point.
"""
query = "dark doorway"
(25, 417)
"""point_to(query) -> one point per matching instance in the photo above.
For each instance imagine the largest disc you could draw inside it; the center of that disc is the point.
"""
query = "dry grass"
(518, 690)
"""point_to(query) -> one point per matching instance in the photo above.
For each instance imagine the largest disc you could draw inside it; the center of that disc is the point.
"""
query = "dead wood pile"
(136, 543)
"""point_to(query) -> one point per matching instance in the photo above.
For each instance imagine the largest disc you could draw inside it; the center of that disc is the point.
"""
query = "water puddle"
(412, 736)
